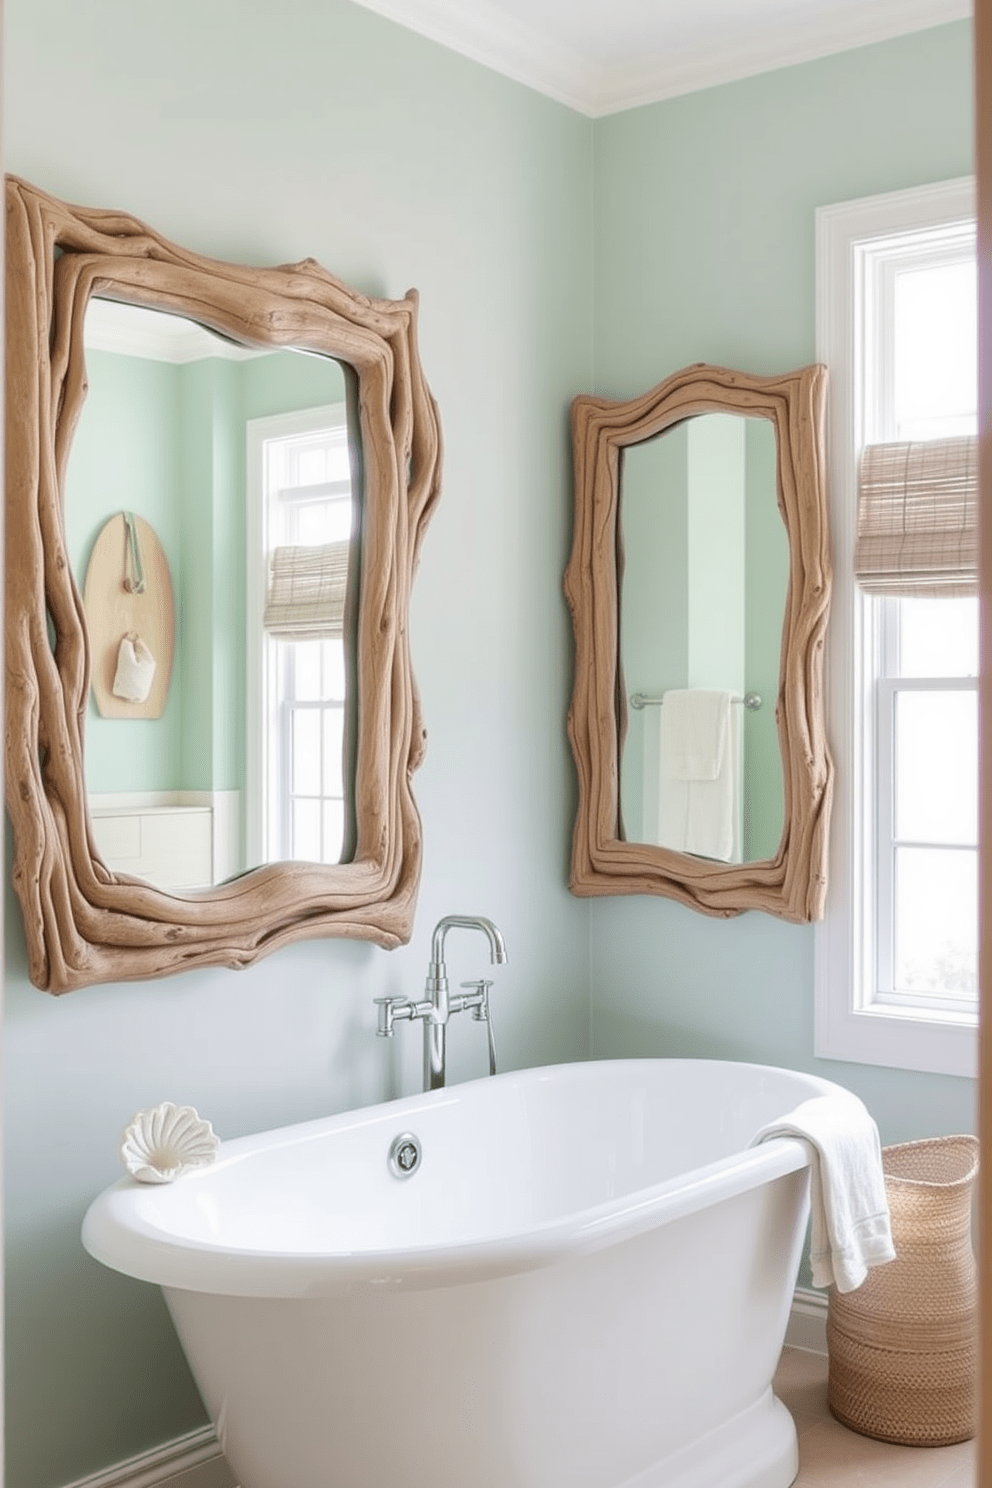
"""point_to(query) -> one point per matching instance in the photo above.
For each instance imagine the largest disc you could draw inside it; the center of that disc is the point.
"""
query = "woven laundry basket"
(904, 1346)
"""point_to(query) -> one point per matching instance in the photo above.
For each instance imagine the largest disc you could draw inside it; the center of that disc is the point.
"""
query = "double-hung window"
(301, 519)
(896, 962)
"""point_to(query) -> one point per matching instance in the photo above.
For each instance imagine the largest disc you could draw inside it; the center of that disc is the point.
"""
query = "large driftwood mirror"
(699, 585)
(261, 447)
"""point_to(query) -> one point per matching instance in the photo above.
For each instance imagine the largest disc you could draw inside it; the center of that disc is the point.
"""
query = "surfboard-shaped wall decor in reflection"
(130, 615)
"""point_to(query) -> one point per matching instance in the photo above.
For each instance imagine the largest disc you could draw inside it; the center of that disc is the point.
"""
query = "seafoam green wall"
(715, 491)
(766, 583)
(265, 136)
(705, 252)
(208, 586)
(654, 594)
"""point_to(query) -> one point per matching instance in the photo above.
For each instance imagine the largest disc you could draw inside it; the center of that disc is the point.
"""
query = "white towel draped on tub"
(850, 1229)
(692, 772)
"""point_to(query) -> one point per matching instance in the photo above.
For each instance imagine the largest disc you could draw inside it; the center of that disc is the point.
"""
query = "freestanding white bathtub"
(584, 1284)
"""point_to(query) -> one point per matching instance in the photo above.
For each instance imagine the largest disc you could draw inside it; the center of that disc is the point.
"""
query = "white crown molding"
(486, 33)
(133, 330)
(794, 40)
(545, 58)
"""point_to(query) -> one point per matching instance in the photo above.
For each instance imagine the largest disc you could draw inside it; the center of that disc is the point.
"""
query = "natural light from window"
(936, 355)
(934, 824)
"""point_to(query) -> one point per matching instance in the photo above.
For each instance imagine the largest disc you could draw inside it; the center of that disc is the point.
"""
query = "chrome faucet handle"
(389, 1009)
(482, 1013)
(479, 1003)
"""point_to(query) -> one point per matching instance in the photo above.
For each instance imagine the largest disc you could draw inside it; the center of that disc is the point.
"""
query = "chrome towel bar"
(750, 700)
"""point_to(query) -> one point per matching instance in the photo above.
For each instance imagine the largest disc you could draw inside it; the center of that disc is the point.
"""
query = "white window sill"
(941, 1044)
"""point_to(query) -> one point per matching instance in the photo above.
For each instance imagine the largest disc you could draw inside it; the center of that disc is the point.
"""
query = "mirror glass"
(704, 569)
(215, 481)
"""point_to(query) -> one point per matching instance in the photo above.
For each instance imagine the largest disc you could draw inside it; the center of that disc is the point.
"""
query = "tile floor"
(831, 1456)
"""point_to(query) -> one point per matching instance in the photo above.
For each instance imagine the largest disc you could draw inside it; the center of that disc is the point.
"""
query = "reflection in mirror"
(244, 760)
(705, 572)
(700, 573)
(302, 530)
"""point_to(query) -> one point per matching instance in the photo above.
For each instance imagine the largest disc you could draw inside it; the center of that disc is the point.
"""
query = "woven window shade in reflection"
(918, 518)
(305, 599)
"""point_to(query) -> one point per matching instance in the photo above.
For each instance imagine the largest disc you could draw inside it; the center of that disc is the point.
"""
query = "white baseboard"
(808, 1321)
(191, 1461)
(195, 1460)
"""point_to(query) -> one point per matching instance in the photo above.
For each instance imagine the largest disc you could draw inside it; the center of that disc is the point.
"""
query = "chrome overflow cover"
(404, 1155)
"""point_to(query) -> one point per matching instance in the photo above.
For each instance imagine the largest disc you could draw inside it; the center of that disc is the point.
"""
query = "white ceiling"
(600, 56)
(133, 330)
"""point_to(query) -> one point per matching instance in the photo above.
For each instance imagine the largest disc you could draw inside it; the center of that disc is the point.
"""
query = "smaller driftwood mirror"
(87, 918)
(699, 586)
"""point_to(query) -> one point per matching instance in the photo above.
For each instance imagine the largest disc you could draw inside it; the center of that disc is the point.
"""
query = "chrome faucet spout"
(497, 947)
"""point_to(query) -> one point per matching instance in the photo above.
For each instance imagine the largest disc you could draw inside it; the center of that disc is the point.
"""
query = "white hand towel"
(851, 1229)
(697, 776)
(135, 670)
(694, 733)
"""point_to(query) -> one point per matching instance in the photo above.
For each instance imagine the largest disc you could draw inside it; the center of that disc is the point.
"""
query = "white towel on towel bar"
(851, 1229)
(695, 726)
(697, 770)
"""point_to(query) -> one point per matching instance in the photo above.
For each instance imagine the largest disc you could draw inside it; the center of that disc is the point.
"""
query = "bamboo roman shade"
(305, 599)
(918, 518)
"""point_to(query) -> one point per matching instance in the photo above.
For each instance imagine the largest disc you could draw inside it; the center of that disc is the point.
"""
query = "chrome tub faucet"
(438, 1006)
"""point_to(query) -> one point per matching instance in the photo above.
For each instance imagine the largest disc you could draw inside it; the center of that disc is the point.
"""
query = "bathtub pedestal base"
(756, 1449)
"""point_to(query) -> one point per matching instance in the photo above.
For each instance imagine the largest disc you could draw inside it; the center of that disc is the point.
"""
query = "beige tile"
(830, 1456)
(965, 1476)
(801, 1385)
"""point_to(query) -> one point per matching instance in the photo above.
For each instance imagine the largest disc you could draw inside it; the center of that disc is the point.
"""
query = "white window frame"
(847, 1026)
(259, 650)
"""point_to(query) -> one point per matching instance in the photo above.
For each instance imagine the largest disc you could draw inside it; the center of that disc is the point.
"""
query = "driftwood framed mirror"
(87, 919)
(697, 717)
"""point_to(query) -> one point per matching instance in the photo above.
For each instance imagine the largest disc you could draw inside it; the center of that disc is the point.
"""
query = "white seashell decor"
(163, 1142)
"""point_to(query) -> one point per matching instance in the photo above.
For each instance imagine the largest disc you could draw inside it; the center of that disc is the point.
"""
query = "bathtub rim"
(115, 1233)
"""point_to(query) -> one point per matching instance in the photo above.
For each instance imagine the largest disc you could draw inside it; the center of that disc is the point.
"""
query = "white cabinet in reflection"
(177, 840)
